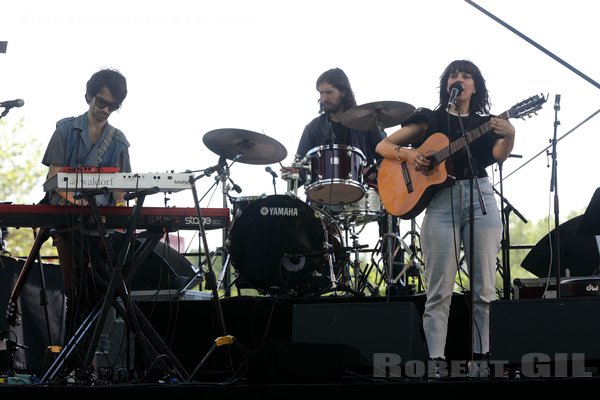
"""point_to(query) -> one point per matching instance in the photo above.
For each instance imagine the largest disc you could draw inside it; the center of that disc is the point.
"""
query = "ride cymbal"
(377, 115)
(251, 147)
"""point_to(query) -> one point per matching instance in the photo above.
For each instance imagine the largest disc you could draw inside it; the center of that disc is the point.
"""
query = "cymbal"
(377, 115)
(251, 147)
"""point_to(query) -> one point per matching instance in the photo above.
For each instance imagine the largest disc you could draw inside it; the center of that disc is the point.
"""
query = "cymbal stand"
(224, 177)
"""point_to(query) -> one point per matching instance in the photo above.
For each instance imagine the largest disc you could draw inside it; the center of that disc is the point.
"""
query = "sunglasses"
(101, 103)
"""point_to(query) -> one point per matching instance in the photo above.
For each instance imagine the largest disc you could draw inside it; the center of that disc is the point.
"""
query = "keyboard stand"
(117, 296)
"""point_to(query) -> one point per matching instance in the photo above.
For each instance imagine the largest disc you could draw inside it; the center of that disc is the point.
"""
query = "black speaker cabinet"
(370, 328)
(547, 326)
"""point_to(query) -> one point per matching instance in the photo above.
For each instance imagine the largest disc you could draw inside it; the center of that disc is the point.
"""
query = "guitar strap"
(105, 143)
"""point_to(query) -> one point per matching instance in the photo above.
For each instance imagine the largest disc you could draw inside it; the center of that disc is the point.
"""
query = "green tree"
(20, 172)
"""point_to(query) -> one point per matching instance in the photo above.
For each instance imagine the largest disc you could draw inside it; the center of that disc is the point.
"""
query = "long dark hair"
(338, 78)
(480, 100)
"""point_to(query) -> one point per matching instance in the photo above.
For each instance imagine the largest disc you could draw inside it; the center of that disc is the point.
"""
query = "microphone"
(455, 90)
(269, 170)
(557, 102)
(12, 103)
(235, 186)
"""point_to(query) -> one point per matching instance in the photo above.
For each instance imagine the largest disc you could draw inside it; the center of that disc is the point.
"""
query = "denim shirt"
(70, 146)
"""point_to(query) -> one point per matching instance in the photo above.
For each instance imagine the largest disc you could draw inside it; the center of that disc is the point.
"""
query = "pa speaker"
(546, 326)
(368, 327)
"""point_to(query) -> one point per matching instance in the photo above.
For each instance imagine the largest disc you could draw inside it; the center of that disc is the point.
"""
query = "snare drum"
(365, 210)
(335, 174)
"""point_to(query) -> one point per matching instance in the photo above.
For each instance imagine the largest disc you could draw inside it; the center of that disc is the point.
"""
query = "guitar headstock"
(527, 107)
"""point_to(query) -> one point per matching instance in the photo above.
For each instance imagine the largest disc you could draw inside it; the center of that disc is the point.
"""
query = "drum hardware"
(414, 267)
(351, 272)
(398, 282)
(292, 175)
(377, 115)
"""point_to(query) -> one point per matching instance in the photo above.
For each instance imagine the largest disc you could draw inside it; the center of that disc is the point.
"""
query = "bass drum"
(281, 245)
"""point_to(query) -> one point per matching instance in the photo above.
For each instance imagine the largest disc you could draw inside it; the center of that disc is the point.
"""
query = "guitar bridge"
(406, 177)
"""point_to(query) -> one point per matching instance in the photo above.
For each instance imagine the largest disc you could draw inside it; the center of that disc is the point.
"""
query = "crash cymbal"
(377, 115)
(251, 147)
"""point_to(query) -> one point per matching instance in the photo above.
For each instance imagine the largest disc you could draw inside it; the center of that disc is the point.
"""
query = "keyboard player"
(87, 141)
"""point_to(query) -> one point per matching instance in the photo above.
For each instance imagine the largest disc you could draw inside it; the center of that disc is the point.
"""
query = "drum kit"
(279, 244)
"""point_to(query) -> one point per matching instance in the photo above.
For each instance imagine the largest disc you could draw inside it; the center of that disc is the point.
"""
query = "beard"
(332, 108)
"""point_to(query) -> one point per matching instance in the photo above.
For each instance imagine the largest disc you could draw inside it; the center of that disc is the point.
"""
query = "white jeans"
(442, 234)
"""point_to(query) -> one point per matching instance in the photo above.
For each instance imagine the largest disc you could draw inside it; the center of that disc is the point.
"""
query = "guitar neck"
(460, 143)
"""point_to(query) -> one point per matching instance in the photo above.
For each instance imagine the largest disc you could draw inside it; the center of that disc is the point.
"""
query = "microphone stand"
(472, 180)
(274, 185)
(554, 188)
(224, 339)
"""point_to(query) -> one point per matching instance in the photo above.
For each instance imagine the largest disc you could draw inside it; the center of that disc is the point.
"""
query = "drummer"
(336, 97)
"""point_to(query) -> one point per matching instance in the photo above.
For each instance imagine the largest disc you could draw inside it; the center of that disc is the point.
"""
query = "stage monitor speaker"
(368, 327)
(549, 326)
(578, 253)
(590, 223)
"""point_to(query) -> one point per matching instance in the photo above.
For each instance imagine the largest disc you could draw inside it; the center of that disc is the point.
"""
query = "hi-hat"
(377, 115)
(250, 147)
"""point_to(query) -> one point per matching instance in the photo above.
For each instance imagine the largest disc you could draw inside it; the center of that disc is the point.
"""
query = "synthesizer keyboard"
(126, 181)
(163, 218)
